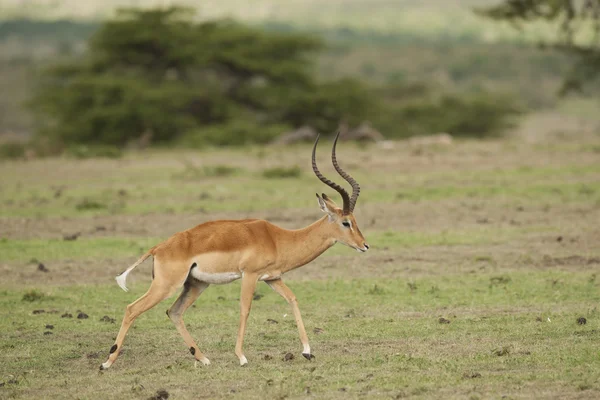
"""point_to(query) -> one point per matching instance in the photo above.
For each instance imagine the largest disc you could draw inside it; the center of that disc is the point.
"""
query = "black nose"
(367, 246)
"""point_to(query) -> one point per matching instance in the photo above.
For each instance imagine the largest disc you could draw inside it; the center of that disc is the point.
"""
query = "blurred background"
(76, 75)
(472, 127)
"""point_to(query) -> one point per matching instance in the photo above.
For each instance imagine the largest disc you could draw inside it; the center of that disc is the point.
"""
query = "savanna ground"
(484, 257)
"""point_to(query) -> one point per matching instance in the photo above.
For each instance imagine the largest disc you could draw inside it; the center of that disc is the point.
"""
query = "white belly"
(215, 278)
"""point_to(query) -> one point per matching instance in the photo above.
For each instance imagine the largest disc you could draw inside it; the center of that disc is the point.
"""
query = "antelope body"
(219, 252)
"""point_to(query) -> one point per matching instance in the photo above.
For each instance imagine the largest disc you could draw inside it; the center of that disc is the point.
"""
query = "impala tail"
(122, 277)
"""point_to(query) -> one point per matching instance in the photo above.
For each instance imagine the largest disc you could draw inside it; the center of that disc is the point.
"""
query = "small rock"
(82, 315)
(38, 311)
(47, 333)
(67, 315)
(41, 267)
(443, 320)
(318, 331)
(267, 357)
(581, 321)
(269, 382)
(288, 357)
(272, 321)
(49, 326)
(106, 318)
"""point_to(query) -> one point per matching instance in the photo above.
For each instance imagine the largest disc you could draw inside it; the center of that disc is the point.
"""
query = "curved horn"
(336, 187)
(348, 178)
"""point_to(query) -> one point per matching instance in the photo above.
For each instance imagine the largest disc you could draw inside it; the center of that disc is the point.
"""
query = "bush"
(33, 295)
(417, 109)
(97, 151)
(282, 172)
(234, 133)
(12, 150)
(193, 172)
(159, 73)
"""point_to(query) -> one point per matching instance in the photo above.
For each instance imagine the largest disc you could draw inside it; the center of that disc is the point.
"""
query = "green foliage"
(12, 150)
(237, 132)
(578, 25)
(158, 73)
(192, 171)
(33, 295)
(88, 204)
(282, 172)
(97, 151)
(420, 109)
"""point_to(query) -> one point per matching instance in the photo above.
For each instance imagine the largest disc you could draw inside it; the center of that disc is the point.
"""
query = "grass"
(282, 172)
(509, 338)
(14, 250)
(155, 183)
(482, 268)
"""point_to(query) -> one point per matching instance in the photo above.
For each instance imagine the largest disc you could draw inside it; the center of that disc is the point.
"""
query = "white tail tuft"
(121, 279)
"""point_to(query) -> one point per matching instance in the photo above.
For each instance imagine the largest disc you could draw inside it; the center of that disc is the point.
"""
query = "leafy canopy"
(578, 25)
(159, 73)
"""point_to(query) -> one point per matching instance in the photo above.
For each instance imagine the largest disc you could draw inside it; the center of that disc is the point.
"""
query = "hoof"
(308, 356)
(101, 367)
(205, 361)
(243, 361)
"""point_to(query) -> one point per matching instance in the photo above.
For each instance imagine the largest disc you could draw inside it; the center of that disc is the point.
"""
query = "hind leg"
(192, 289)
(163, 286)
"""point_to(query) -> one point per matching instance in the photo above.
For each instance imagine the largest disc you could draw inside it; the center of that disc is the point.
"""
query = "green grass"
(483, 257)
(519, 337)
(14, 250)
(154, 187)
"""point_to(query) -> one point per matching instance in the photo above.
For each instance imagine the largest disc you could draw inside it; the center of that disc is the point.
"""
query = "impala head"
(343, 225)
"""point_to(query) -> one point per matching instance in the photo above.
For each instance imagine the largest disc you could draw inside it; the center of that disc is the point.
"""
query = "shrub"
(193, 172)
(83, 151)
(418, 109)
(87, 204)
(33, 295)
(235, 133)
(159, 72)
(12, 150)
(282, 172)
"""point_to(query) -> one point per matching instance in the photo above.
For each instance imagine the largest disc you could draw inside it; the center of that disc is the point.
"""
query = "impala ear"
(327, 206)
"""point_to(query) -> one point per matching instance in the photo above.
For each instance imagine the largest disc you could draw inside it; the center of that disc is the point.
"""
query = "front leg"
(248, 286)
(285, 292)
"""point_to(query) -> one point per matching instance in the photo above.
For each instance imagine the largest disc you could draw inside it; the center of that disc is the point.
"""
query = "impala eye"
(346, 224)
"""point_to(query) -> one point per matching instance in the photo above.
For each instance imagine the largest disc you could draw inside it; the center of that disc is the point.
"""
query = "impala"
(220, 252)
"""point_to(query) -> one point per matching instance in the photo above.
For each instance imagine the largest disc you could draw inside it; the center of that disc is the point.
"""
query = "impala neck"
(296, 248)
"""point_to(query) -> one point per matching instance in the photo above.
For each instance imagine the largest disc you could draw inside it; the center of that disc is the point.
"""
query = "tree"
(578, 25)
(159, 72)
